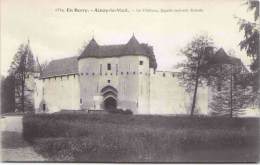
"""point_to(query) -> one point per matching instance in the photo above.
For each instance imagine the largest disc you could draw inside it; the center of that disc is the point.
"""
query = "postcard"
(130, 81)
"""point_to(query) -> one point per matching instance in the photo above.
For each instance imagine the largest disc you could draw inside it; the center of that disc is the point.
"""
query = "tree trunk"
(22, 98)
(196, 88)
(231, 92)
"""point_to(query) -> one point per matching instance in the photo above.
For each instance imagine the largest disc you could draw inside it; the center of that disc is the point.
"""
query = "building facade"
(106, 77)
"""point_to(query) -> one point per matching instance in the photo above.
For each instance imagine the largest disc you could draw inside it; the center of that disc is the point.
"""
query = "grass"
(131, 138)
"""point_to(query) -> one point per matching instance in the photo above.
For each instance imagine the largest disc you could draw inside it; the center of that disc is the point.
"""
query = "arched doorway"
(110, 104)
(109, 94)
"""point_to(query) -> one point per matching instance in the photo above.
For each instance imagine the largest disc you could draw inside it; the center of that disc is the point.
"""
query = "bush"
(128, 112)
(121, 111)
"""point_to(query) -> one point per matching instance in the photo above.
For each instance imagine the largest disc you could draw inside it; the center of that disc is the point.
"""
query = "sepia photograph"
(109, 81)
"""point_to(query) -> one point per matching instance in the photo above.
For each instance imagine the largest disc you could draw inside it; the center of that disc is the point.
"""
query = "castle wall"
(144, 86)
(60, 93)
(38, 94)
(203, 98)
(139, 88)
(89, 83)
(168, 96)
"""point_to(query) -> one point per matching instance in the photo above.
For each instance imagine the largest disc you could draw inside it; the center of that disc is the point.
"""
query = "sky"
(55, 33)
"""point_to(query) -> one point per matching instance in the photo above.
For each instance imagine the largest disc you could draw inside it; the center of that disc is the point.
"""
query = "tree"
(43, 65)
(229, 97)
(21, 67)
(194, 69)
(7, 94)
(250, 44)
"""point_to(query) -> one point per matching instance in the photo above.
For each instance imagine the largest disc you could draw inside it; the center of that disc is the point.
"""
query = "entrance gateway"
(109, 98)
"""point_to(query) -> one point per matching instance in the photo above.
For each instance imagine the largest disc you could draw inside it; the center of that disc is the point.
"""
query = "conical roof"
(133, 47)
(93, 43)
(92, 48)
(133, 41)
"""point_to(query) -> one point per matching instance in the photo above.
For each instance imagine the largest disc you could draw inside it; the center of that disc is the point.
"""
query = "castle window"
(108, 66)
(81, 74)
(100, 71)
(93, 74)
(111, 74)
(80, 100)
(141, 62)
(173, 75)
(86, 74)
(122, 73)
(73, 76)
(108, 81)
(140, 72)
(127, 73)
(133, 72)
(43, 107)
(163, 74)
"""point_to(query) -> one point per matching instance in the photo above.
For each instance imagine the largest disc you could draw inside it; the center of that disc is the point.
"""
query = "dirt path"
(14, 147)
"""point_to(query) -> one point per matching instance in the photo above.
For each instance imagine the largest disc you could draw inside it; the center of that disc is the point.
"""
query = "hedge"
(114, 137)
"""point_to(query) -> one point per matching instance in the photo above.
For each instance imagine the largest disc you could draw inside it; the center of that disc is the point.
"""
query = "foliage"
(194, 69)
(121, 111)
(251, 34)
(230, 95)
(21, 67)
(194, 52)
(120, 138)
(7, 94)
(251, 41)
(44, 65)
(225, 105)
(250, 44)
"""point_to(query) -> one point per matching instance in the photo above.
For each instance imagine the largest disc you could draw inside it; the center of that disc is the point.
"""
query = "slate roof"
(133, 47)
(59, 67)
(221, 57)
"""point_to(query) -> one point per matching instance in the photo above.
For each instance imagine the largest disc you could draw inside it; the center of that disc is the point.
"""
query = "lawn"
(133, 138)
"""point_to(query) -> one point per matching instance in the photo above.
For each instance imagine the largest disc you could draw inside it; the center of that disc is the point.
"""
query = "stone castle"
(108, 77)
